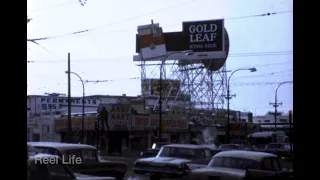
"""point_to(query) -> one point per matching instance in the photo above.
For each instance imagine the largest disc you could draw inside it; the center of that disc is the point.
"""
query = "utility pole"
(69, 134)
(291, 132)
(275, 105)
(229, 97)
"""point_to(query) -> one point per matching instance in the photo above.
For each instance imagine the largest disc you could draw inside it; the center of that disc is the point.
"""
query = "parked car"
(91, 163)
(31, 151)
(238, 164)
(173, 161)
(152, 152)
(230, 147)
(279, 149)
(51, 167)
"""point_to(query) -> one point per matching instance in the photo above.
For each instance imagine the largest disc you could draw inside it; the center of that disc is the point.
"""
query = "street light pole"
(83, 95)
(276, 104)
(188, 52)
(229, 97)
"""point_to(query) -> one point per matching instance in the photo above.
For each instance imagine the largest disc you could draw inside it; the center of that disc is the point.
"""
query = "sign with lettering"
(53, 103)
(120, 111)
(61, 124)
(141, 121)
(200, 36)
(153, 122)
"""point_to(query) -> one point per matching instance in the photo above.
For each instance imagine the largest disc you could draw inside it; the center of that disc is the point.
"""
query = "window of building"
(266, 120)
(46, 129)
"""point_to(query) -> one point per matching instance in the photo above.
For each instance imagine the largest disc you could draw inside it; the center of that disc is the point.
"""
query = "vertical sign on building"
(151, 41)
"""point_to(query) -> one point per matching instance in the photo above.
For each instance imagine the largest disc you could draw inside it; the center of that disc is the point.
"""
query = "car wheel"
(154, 177)
(120, 177)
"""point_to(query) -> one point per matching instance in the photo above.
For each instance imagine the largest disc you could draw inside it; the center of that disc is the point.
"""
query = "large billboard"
(202, 36)
(151, 41)
(151, 87)
(208, 39)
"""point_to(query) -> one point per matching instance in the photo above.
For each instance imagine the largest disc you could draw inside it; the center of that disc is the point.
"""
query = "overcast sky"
(105, 52)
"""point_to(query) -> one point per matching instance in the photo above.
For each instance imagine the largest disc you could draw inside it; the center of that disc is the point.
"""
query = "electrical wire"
(263, 65)
(125, 58)
(113, 23)
(48, 50)
(53, 6)
(143, 15)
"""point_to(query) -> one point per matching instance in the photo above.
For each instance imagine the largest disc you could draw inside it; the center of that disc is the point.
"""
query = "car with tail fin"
(173, 161)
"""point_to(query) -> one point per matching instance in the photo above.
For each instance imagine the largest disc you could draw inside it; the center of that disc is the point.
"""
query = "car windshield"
(32, 149)
(86, 155)
(179, 152)
(235, 163)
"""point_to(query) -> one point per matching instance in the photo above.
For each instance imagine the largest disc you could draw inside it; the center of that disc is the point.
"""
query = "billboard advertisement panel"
(151, 41)
(151, 87)
(202, 36)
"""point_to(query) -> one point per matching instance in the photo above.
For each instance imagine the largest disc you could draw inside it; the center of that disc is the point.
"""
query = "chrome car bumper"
(160, 172)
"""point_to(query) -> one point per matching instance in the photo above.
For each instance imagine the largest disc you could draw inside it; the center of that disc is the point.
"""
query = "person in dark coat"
(104, 117)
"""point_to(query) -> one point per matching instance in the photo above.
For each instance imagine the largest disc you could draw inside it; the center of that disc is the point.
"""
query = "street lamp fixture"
(276, 104)
(186, 53)
(83, 95)
(253, 69)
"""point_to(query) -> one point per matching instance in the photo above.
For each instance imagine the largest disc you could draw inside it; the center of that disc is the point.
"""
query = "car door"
(38, 171)
(277, 168)
(266, 171)
(59, 171)
(201, 159)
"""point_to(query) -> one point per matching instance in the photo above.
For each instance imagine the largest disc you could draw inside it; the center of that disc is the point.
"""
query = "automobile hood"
(163, 160)
(217, 171)
(89, 177)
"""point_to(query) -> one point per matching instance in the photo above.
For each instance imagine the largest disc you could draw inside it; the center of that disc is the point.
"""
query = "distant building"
(41, 129)
(268, 121)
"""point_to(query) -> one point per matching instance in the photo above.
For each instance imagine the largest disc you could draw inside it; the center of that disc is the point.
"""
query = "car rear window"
(236, 163)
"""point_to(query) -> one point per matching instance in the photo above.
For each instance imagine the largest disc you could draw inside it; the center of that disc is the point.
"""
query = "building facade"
(133, 122)
(267, 122)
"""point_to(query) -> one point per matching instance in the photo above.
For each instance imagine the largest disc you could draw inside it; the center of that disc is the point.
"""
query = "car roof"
(41, 155)
(190, 146)
(277, 143)
(257, 156)
(230, 145)
(61, 146)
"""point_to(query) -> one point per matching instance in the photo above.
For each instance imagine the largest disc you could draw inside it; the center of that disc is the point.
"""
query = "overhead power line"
(54, 6)
(255, 84)
(113, 23)
(143, 15)
(275, 53)
(99, 81)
